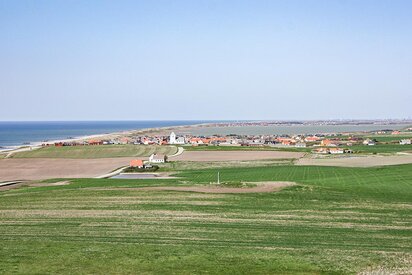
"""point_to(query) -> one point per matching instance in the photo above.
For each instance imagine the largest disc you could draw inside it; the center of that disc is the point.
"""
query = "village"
(330, 143)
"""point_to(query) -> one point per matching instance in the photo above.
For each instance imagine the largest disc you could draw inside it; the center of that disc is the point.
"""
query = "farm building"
(336, 151)
(300, 145)
(158, 158)
(369, 142)
(137, 163)
(405, 142)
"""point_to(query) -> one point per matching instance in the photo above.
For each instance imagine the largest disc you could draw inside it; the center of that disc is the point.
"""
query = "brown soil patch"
(262, 187)
(235, 155)
(46, 168)
(367, 161)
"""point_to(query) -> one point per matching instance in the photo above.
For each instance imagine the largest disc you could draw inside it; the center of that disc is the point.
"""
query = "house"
(336, 151)
(300, 145)
(286, 142)
(196, 141)
(327, 142)
(395, 133)
(405, 142)
(95, 142)
(157, 158)
(312, 139)
(322, 151)
(369, 142)
(137, 163)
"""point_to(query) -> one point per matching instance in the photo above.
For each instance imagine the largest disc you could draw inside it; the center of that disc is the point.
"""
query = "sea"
(17, 133)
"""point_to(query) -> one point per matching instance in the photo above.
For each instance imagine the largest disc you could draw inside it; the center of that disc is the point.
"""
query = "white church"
(176, 140)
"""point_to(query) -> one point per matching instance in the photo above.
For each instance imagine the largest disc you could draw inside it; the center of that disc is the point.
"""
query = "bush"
(154, 168)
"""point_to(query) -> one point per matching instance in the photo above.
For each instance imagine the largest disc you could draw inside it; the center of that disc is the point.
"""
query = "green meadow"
(334, 221)
(381, 148)
(98, 151)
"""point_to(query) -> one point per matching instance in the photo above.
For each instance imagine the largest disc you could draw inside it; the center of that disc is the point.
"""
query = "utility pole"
(218, 177)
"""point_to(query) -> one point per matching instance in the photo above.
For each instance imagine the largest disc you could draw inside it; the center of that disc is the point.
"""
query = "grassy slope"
(338, 220)
(245, 148)
(389, 138)
(379, 148)
(101, 151)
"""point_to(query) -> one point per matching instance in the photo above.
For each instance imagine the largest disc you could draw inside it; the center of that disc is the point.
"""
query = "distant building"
(312, 139)
(322, 151)
(336, 151)
(369, 142)
(173, 139)
(157, 158)
(300, 145)
(137, 163)
(405, 142)
(328, 142)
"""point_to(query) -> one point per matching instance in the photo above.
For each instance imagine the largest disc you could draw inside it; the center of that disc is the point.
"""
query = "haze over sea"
(14, 133)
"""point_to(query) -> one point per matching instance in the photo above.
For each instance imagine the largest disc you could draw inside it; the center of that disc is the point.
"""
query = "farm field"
(45, 168)
(101, 151)
(336, 220)
(206, 156)
(362, 149)
(245, 148)
(390, 138)
(380, 148)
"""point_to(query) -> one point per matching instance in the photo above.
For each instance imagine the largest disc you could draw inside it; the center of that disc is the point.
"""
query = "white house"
(157, 158)
(300, 145)
(405, 142)
(369, 142)
(336, 151)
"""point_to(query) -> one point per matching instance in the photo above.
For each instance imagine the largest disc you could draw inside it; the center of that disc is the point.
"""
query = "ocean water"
(14, 133)
(293, 129)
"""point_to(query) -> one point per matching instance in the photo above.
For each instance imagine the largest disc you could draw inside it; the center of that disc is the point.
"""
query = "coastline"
(153, 131)
(181, 129)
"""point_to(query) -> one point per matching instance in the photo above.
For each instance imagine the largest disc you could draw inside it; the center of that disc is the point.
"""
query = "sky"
(207, 60)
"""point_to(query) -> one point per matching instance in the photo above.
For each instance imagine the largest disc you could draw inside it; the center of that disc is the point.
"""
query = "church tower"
(172, 139)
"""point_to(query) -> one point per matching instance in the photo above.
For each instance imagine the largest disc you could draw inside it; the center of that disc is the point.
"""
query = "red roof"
(136, 163)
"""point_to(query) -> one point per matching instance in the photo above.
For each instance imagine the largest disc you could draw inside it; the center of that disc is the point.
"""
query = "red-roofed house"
(137, 163)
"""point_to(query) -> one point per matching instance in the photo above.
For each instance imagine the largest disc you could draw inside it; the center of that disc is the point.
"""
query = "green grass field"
(389, 138)
(101, 151)
(363, 149)
(245, 148)
(335, 221)
(381, 148)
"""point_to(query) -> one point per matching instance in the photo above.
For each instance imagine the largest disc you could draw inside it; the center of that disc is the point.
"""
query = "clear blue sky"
(99, 60)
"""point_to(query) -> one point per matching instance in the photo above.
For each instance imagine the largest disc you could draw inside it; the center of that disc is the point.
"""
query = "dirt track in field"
(235, 155)
(262, 187)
